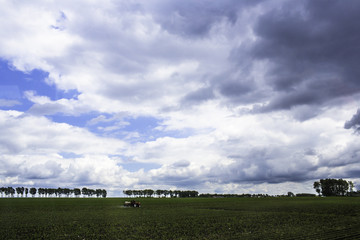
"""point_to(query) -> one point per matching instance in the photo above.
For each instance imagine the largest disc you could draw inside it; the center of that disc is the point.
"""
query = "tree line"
(233, 195)
(334, 187)
(161, 193)
(51, 192)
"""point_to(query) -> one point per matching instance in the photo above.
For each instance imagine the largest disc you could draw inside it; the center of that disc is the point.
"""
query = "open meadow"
(180, 218)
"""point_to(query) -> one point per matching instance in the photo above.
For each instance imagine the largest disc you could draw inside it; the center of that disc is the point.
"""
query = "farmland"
(180, 218)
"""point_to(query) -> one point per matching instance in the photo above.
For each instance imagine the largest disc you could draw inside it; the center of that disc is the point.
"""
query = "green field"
(186, 218)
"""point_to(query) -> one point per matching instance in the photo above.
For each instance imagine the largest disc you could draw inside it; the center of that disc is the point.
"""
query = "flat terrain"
(191, 218)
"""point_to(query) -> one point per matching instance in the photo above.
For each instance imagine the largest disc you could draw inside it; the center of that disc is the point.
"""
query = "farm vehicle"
(132, 203)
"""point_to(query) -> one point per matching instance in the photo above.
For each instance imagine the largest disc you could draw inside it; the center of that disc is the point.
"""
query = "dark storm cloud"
(200, 95)
(184, 178)
(312, 50)
(266, 165)
(353, 173)
(235, 88)
(309, 93)
(354, 122)
(277, 163)
(196, 18)
(232, 84)
(179, 181)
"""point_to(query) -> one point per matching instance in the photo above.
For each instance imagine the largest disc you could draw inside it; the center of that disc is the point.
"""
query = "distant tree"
(128, 192)
(91, 192)
(184, 194)
(176, 193)
(98, 192)
(332, 187)
(33, 191)
(26, 192)
(136, 193)
(46, 192)
(194, 193)
(290, 194)
(77, 192)
(84, 191)
(317, 187)
(51, 191)
(18, 191)
(41, 192)
(149, 192)
(6, 191)
(67, 192)
(158, 192)
(306, 195)
(166, 192)
(60, 191)
(104, 193)
(11, 191)
(351, 186)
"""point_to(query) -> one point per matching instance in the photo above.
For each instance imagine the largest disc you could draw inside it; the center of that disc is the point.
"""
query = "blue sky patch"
(78, 121)
(69, 155)
(135, 166)
(14, 83)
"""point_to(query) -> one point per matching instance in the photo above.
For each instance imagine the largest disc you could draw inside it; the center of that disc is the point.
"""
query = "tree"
(60, 191)
(159, 192)
(33, 191)
(11, 191)
(67, 192)
(351, 186)
(22, 191)
(77, 192)
(136, 193)
(128, 192)
(104, 193)
(51, 191)
(18, 191)
(176, 193)
(166, 192)
(317, 187)
(91, 192)
(98, 192)
(148, 192)
(84, 191)
(41, 191)
(332, 187)
(6, 191)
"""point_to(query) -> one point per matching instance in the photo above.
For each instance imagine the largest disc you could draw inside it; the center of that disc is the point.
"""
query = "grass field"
(191, 218)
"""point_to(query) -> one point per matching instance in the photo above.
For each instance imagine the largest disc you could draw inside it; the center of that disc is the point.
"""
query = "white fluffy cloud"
(230, 116)
(43, 152)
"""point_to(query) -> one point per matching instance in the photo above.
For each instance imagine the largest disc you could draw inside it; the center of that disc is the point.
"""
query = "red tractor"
(132, 203)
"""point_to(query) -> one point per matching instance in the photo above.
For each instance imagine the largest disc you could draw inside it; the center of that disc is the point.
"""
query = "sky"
(215, 96)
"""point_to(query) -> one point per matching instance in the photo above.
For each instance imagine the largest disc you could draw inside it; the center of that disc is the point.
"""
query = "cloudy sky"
(217, 96)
